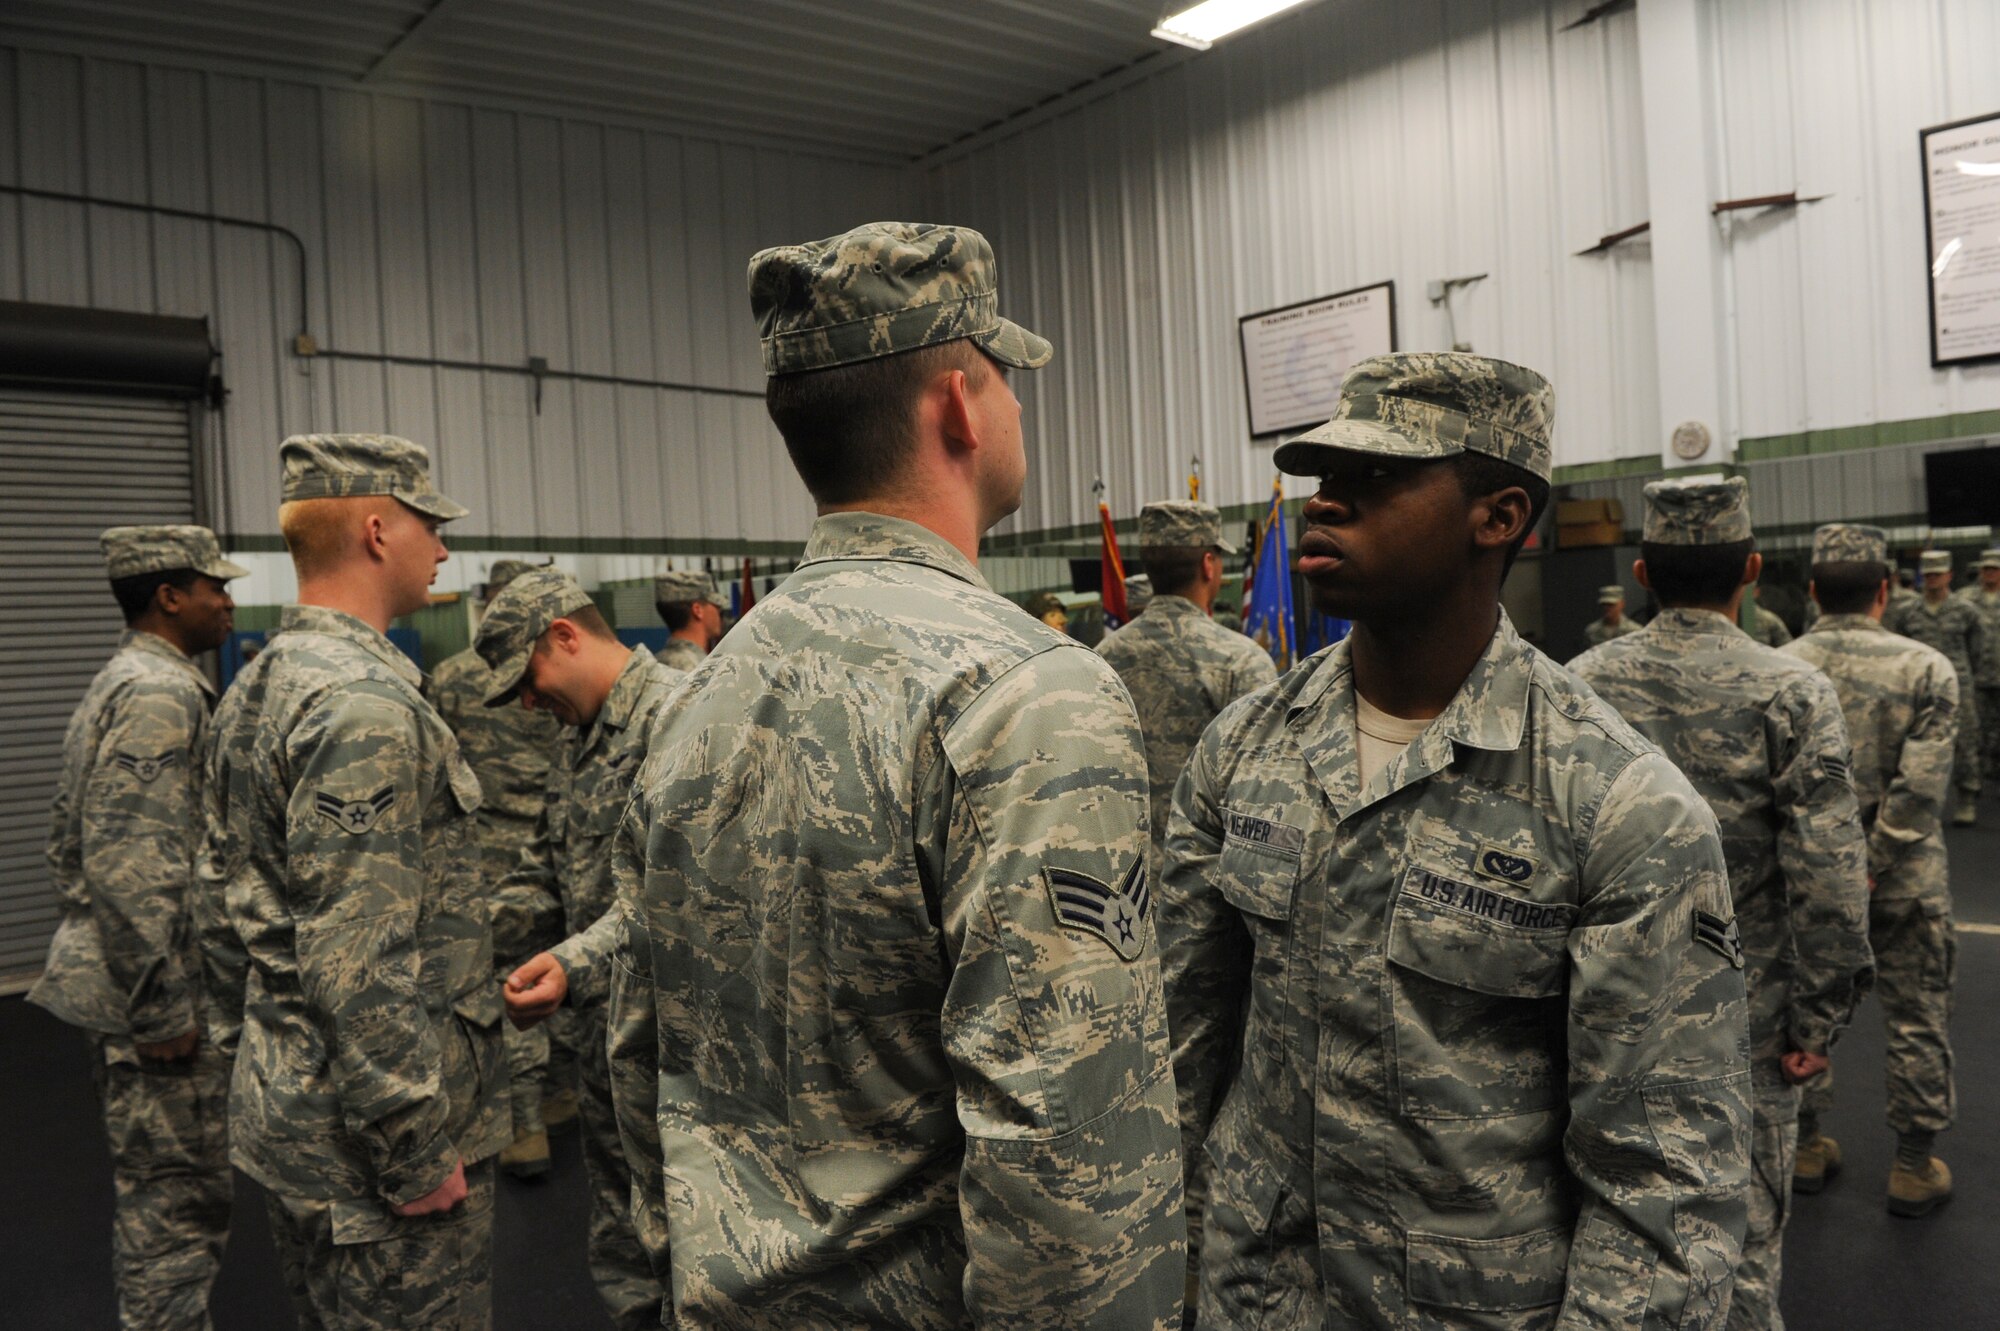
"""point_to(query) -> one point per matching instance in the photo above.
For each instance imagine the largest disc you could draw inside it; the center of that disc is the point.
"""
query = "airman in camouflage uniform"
(1901, 703)
(561, 886)
(912, 1053)
(1985, 598)
(122, 967)
(1138, 595)
(1763, 626)
(1761, 737)
(1951, 625)
(1461, 1043)
(510, 750)
(1180, 666)
(369, 1085)
(1611, 597)
(692, 608)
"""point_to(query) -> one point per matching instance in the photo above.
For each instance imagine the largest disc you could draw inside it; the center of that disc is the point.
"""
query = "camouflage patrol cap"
(1989, 559)
(1934, 561)
(1433, 404)
(1182, 524)
(880, 289)
(1850, 543)
(685, 586)
(1138, 593)
(131, 551)
(517, 619)
(1610, 594)
(1709, 511)
(342, 466)
(505, 571)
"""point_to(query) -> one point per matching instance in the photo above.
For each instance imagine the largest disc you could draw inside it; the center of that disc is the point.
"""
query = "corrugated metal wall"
(1342, 146)
(440, 231)
(1351, 143)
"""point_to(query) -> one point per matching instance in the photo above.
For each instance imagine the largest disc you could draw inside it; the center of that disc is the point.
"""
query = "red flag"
(1113, 573)
(749, 590)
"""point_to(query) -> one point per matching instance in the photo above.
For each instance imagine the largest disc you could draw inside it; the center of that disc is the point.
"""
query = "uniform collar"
(621, 702)
(1175, 607)
(152, 644)
(339, 624)
(1846, 623)
(1489, 711)
(1686, 619)
(857, 535)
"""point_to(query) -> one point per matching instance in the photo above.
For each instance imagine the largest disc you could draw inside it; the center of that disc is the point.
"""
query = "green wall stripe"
(1882, 434)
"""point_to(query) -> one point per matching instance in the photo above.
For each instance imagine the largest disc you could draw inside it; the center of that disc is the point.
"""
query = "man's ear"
(957, 420)
(1753, 567)
(375, 536)
(1508, 513)
(1639, 572)
(169, 600)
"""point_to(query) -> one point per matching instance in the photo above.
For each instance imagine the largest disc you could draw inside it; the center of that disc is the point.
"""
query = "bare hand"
(1799, 1066)
(535, 990)
(441, 1198)
(177, 1050)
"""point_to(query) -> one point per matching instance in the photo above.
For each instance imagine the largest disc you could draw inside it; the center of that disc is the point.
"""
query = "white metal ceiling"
(891, 78)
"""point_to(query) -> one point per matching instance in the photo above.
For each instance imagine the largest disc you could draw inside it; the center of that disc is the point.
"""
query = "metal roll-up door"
(71, 464)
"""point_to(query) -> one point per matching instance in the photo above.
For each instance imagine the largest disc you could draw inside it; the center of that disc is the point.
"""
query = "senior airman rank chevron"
(355, 816)
(1117, 915)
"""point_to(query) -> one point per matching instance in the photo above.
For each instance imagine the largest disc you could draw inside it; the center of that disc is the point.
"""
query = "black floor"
(1849, 1266)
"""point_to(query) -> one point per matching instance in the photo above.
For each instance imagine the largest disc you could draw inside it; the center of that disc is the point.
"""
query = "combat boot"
(527, 1157)
(559, 1111)
(1968, 811)
(1915, 1192)
(1819, 1160)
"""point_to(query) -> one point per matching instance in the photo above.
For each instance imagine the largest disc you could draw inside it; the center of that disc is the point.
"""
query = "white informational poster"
(1294, 358)
(1962, 214)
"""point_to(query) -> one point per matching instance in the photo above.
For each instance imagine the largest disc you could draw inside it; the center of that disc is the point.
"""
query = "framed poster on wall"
(1294, 357)
(1962, 224)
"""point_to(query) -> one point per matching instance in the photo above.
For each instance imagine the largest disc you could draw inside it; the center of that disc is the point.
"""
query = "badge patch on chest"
(355, 816)
(1483, 902)
(1117, 915)
(145, 770)
(1508, 866)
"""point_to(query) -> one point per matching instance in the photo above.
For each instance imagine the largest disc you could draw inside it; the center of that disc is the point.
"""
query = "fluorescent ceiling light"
(1202, 26)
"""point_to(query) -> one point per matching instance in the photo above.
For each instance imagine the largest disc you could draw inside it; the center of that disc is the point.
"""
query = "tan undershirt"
(1382, 736)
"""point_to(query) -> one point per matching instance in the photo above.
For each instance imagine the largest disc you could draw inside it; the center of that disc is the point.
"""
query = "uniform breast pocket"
(1477, 982)
(1262, 883)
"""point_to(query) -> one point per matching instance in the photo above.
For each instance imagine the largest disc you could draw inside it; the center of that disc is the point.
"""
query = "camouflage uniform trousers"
(168, 1127)
(619, 1265)
(1916, 974)
(561, 1070)
(1965, 755)
(1989, 726)
(527, 1071)
(420, 1273)
(1774, 1149)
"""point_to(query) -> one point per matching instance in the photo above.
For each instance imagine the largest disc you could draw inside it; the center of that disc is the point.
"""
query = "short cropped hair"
(1483, 474)
(318, 531)
(1699, 575)
(677, 615)
(849, 429)
(1173, 568)
(592, 621)
(136, 594)
(1848, 586)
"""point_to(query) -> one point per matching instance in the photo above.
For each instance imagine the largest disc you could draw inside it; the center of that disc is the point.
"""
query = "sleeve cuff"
(583, 963)
(422, 1173)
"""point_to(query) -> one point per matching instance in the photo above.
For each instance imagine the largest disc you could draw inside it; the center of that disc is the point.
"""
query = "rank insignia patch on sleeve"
(355, 816)
(146, 770)
(1721, 935)
(1117, 915)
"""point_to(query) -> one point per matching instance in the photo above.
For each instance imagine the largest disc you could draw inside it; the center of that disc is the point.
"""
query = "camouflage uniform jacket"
(510, 750)
(1759, 734)
(1182, 669)
(1953, 627)
(121, 845)
(1763, 626)
(562, 882)
(1900, 699)
(913, 1064)
(680, 654)
(370, 1058)
(1988, 605)
(1598, 631)
(226, 809)
(1464, 1044)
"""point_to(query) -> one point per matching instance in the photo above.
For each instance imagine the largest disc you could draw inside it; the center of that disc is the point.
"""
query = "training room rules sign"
(1962, 214)
(1295, 357)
